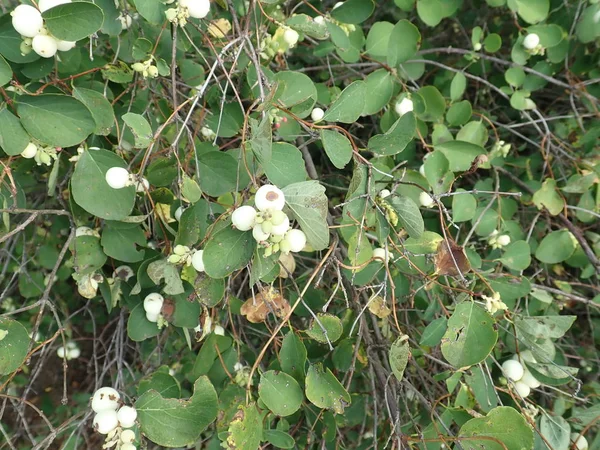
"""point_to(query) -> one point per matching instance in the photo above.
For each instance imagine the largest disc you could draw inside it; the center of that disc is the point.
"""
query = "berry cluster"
(497, 240)
(113, 418)
(197, 9)
(269, 224)
(522, 379)
(42, 154)
(183, 255)
(69, 351)
(119, 177)
(28, 22)
(146, 68)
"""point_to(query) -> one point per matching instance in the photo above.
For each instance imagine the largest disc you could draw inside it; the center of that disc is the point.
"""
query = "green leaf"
(308, 203)
(395, 140)
(459, 113)
(517, 256)
(151, 10)
(292, 356)
(14, 342)
(286, 165)
(55, 119)
(226, 122)
(279, 439)
(502, 423)
(162, 172)
(542, 327)
(177, 423)
(556, 247)
(325, 328)
(99, 106)
(138, 327)
(193, 224)
(296, 91)
(190, 189)
(6, 72)
(470, 337)
(119, 241)
(218, 173)
(556, 431)
(87, 254)
(324, 390)
(214, 346)
(141, 129)
(161, 382)
(433, 333)
(348, 107)
(460, 154)
(280, 393)
(492, 43)
(531, 11)
(73, 21)
(464, 207)
(378, 39)
(13, 138)
(399, 356)
(409, 215)
(162, 269)
(458, 86)
(338, 36)
(380, 88)
(548, 197)
(305, 24)
(337, 146)
(433, 11)
(210, 291)
(353, 11)
(226, 251)
(93, 194)
(404, 43)
(436, 167)
(245, 430)
(261, 141)
(552, 374)
(474, 132)
(430, 105)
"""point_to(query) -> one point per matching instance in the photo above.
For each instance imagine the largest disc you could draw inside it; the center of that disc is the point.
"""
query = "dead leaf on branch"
(268, 300)
(451, 260)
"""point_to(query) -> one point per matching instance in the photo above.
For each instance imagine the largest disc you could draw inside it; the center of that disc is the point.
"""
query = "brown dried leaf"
(451, 260)
(268, 300)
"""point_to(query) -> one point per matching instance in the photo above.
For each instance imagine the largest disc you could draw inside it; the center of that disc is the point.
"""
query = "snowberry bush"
(303, 224)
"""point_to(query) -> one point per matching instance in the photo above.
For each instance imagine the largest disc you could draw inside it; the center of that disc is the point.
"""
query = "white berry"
(153, 303)
(384, 193)
(45, 46)
(27, 21)
(47, 4)
(73, 353)
(281, 229)
(531, 41)
(581, 442)
(198, 9)
(219, 330)
(243, 218)
(403, 106)
(126, 21)
(258, 233)
(127, 416)
(178, 212)
(382, 254)
(151, 317)
(128, 446)
(269, 197)
(105, 399)
(106, 421)
(117, 177)
(290, 37)
(127, 437)
(530, 380)
(426, 200)
(319, 20)
(513, 370)
(522, 389)
(503, 240)
(65, 46)
(30, 151)
(296, 240)
(317, 114)
(198, 260)
(141, 185)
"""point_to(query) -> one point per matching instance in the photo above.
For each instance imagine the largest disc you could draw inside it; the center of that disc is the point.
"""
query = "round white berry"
(47, 4)
(27, 21)
(382, 254)
(60, 352)
(45, 46)
(317, 114)
(65, 46)
(127, 437)
(30, 151)
(243, 218)
(530, 380)
(198, 261)
(153, 303)
(384, 193)
(426, 200)
(477, 47)
(106, 421)
(127, 416)
(319, 20)
(513, 370)
(117, 177)
(151, 317)
(258, 233)
(198, 9)
(422, 169)
(531, 41)
(105, 399)
(281, 229)
(522, 389)
(141, 185)
(580, 441)
(296, 239)
(219, 330)
(403, 106)
(128, 446)
(178, 212)
(503, 240)
(73, 353)
(290, 37)
(269, 197)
